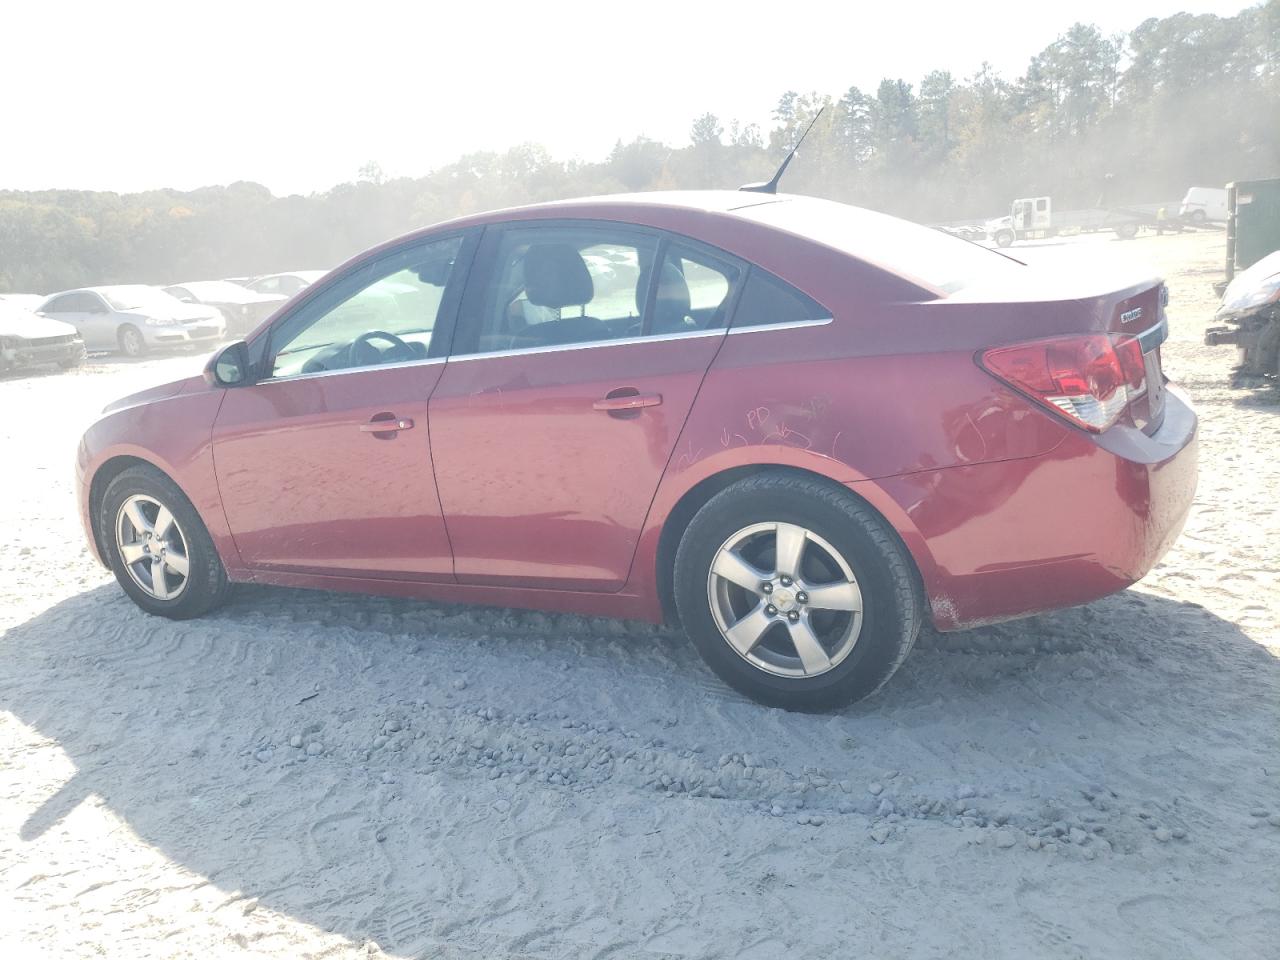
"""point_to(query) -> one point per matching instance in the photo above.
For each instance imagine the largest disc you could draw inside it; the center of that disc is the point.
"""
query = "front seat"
(556, 276)
(672, 304)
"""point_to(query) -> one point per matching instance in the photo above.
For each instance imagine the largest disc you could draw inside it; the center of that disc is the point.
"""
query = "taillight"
(1087, 379)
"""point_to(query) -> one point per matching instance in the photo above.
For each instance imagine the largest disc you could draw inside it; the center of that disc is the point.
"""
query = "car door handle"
(388, 424)
(617, 401)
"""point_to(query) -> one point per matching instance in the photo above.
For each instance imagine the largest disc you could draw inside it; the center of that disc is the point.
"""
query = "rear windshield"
(929, 257)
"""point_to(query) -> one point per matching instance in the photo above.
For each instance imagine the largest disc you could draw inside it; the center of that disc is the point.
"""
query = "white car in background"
(134, 318)
(285, 284)
(28, 340)
(27, 301)
(243, 309)
(1204, 203)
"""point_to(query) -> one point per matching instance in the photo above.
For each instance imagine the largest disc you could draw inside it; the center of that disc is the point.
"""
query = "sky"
(129, 96)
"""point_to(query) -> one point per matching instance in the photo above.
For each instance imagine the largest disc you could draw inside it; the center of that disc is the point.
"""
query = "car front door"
(99, 325)
(324, 464)
(77, 309)
(573, 370)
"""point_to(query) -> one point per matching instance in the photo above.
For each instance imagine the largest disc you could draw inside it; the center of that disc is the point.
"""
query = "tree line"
(1140, 116)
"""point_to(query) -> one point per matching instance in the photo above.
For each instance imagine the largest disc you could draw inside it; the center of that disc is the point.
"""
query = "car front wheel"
(795, 593)
(157, 546)
(132, 343)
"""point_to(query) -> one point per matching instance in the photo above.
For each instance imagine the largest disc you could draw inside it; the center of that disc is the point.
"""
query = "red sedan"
(798, 428)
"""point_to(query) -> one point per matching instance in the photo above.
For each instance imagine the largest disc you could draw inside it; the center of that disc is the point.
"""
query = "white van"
(1204, 203)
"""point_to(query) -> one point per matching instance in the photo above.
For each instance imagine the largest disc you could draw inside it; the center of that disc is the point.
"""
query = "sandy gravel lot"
(302, 775)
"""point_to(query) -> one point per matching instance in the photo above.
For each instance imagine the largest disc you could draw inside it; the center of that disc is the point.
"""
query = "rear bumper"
(1003, 540)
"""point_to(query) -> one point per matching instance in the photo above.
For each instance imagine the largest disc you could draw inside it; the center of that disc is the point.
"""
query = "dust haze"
(1174, 102)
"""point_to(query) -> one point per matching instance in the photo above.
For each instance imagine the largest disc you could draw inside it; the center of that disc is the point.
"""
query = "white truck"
(1204, 204)
(1033, 218)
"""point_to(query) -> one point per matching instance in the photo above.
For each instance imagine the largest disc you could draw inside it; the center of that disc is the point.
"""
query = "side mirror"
(229, 367)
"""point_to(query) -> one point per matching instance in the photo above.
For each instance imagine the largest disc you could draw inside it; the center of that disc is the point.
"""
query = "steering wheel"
(362, 353)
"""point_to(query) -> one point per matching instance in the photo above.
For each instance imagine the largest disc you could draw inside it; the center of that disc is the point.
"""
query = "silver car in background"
(134, 318)
(285, 284)
(243, 309)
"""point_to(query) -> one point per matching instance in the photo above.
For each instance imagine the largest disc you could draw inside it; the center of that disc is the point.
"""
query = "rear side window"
(693, 291)
(560, 285)
(767, 300)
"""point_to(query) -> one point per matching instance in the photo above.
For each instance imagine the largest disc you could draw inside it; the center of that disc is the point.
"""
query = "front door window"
(385, 314)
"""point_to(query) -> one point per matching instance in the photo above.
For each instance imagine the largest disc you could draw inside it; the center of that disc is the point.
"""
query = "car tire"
(186, 589)
(1197, 216)
(1126, 231)
(862, 649)
(131, 341)
(1004, 238)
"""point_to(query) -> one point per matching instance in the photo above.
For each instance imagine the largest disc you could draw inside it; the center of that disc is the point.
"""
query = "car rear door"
(573, 370)
(324, 464)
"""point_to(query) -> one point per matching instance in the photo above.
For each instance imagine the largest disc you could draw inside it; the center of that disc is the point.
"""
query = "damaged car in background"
(1250, 312)
(29, 340)
(242, 308)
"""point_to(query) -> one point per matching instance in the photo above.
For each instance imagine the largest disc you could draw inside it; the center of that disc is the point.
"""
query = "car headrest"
(555, 275)
(672, 304)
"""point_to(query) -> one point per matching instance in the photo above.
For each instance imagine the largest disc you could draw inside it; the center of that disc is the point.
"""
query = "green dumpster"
(1253, 222)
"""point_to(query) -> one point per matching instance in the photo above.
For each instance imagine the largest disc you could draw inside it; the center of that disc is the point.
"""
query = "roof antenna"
(771, 186)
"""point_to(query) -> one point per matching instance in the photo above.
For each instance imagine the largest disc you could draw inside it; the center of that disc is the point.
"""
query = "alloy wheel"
(131, 342)
(152, 547)
(785, 599)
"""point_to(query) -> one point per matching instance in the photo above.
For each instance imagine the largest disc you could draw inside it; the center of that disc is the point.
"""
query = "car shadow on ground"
(1264, 397)
(184, 729)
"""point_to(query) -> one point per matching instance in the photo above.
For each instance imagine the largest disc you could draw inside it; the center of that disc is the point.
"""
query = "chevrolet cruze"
(799, 429)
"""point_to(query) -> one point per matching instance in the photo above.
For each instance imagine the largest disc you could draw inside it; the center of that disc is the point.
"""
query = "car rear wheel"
(157, 546)
(795, 593)
(131, 342)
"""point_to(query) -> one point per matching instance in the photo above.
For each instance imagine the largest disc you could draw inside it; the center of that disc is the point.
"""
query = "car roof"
(731, 215)
(697, 201)
(789, 212)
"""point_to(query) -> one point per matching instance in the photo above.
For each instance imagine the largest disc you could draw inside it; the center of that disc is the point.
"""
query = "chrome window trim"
(635, 341)
(365, 369)
(789, 325)
(560, 348)
(589, 345)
